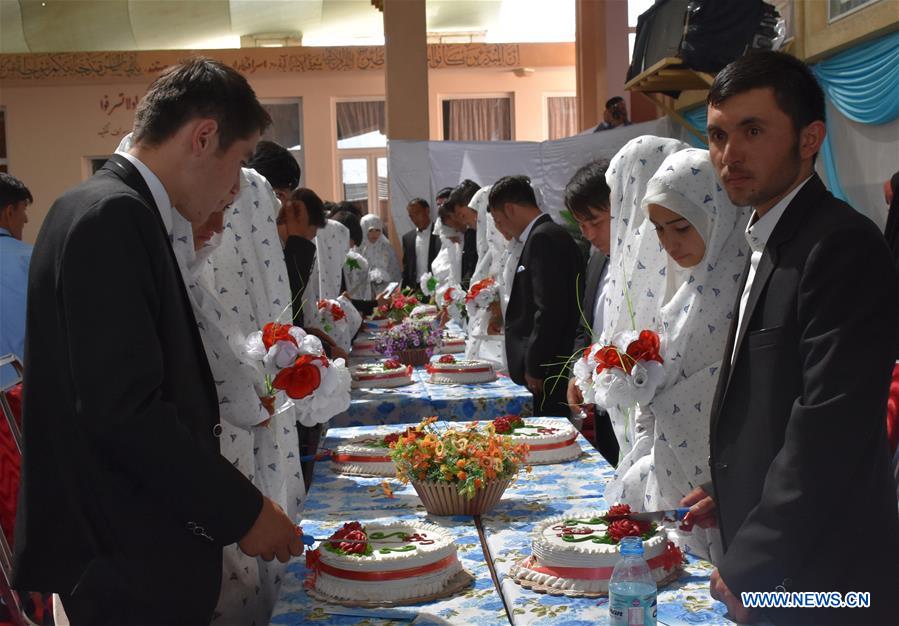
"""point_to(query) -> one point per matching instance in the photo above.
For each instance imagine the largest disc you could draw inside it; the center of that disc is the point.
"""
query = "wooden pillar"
(405, 78)
(590, 61)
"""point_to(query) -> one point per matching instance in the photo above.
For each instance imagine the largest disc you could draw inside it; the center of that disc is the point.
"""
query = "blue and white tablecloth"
(406, 405)
(548, 490)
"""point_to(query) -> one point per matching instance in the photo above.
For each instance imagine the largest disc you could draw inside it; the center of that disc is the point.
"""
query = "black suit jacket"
(595, 267)
(410, 260)
(799, 455)
(542, 316)
(124, 490)
(469, 256)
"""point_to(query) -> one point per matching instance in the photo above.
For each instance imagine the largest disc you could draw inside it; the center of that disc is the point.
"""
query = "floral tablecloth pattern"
(546, 491)
(407, 405)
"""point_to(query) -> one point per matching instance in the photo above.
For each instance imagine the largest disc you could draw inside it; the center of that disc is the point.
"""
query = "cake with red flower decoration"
(548, 440)
(450, 370)
(366, 455)
(400, 563)
(364, 346)
(389, 373)
(576, 553)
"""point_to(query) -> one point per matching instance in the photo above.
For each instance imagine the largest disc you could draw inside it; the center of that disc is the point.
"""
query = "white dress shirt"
(157, 190)
(758, 231)
(599, 307)
(422, 245)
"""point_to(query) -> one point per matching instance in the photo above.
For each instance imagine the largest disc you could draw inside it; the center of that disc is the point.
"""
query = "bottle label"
(632, 610)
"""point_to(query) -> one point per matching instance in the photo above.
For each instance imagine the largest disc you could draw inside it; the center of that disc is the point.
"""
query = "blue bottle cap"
(631, 545)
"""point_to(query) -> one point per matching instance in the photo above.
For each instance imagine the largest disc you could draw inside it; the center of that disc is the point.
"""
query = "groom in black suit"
(804, 497)
(542, 316)
(125, 501)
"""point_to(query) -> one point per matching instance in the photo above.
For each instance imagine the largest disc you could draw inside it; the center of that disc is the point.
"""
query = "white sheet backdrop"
(421, 168)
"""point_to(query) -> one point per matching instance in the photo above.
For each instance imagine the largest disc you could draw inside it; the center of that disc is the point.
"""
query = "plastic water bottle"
(632, 589)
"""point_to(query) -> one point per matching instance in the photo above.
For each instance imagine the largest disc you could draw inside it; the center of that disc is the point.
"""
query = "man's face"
(16, 218)
(596, 229)
(216, 173)
(452, 220)
(419, 215)
(754, 148)
(504, 223)
(215, 223)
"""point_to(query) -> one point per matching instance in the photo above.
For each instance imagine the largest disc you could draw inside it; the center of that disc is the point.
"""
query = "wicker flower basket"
(415, 358)
(444, 499)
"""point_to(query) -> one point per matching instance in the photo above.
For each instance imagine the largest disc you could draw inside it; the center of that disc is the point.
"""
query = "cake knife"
(670, 515)
(309, 540)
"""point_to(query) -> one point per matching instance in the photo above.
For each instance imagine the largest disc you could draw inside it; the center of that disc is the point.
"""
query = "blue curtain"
(863, 84)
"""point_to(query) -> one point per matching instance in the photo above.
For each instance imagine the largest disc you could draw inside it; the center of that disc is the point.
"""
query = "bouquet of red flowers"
(295, 363)
(397, 309)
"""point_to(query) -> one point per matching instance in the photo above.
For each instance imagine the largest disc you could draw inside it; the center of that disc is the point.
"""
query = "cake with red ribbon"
(366, 455)
(548, 440)
(452, 343)
(450, 370)
(576, 553)
(364, 346)
(402, 562)
(388, 373)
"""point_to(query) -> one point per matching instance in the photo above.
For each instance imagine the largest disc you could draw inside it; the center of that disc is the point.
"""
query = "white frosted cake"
(389, 373)
(449, 370)
(424, 311)
(576, 553)
(364, 346)
(371, 325)
(452, 344)
(548, 440)
(400, 562)
(367, 455)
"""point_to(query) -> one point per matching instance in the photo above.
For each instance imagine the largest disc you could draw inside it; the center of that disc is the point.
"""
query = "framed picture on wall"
(838, 9)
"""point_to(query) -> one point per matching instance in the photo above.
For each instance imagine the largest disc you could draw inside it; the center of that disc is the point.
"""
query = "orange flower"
(460, 463)
(461, 475)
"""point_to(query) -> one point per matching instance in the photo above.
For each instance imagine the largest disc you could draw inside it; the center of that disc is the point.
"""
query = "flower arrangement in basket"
(451, 298)
(609, 376)
(295, 363)
(397, 309)
(411, 341)
(457, 471)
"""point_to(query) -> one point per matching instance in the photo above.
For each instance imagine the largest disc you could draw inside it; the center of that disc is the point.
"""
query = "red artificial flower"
(448, 295)
(412, 300)
(392, 364)
(608, 357)
(672, 556)
(502, 425)
(391, 438)
(350, 530)
(624, 528)
(447, 358)
(620, 509)
(645, 347)
(274, 332)
(300, 379)
(383, 309)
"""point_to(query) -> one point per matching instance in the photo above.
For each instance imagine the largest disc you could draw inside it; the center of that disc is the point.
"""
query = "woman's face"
(373, 234)
(677, 235)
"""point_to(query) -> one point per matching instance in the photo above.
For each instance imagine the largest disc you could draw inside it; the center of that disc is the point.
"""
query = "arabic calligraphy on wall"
(102, 65)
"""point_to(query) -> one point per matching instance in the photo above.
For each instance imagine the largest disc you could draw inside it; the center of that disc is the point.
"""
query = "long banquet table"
(498, 539)
(402, 405)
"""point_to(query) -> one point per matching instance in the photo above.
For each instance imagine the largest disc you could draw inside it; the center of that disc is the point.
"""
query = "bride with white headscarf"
(383, 266)
(636, 262)
(670, 456)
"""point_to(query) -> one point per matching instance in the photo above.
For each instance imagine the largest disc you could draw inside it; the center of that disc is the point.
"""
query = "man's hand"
(574, 396)
(702, 509)
(720, 592)
(535, 385)
(272, 535)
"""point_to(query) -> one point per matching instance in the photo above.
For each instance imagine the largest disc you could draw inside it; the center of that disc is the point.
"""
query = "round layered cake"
(389, 373)
(367, 455)
(576, 553)
(385, 564)
(452, 344)
(449, 370)
(424, 311)
(548, 440)
(364, 346)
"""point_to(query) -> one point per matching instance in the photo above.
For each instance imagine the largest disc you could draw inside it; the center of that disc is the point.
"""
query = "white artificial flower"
(254, 348)
(282, 354)
(614, 388)
(646, 376)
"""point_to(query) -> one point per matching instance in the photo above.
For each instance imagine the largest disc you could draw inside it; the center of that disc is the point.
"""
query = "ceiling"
(95, 25)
